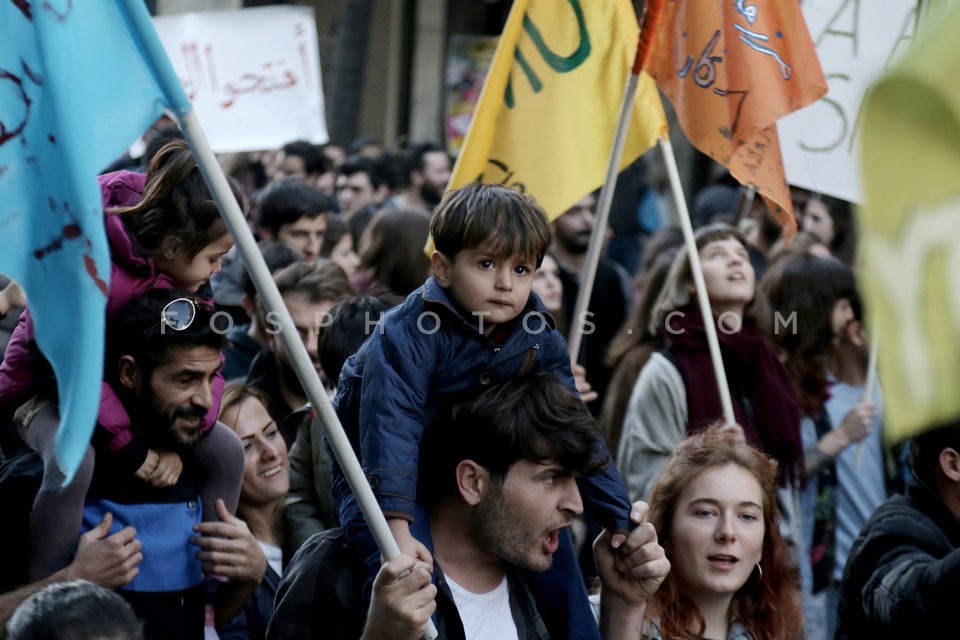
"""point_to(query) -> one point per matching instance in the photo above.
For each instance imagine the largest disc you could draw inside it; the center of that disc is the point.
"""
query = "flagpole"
(574, 339)
(868, 387)
(290, 338)
(651, 15)
(694, 256)
(213, 175)
(745, 205)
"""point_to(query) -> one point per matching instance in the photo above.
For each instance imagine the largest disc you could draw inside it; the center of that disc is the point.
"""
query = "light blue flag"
(75, 92)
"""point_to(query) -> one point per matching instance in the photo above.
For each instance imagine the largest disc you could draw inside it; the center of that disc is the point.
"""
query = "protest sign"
(253, 75)
(856, 43)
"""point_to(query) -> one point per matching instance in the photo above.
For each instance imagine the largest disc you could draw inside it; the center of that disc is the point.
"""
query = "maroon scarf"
(763, 400)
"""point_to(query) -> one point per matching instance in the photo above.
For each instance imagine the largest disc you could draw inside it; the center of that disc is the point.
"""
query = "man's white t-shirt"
(274, 556)
(485, 615)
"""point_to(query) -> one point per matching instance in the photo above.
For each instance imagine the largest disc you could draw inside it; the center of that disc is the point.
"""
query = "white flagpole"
(746, 204)
(868, 387)
(651, 16)
(139, 21)
(694, 256)
(600, 223)
(290, 338)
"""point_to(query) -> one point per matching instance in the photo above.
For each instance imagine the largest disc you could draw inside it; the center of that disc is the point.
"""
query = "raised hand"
(632, 571)
(402, 602)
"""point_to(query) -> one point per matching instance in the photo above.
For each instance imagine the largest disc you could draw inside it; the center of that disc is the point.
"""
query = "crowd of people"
(532, 494)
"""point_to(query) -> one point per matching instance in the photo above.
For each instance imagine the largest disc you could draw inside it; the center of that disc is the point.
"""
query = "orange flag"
(732, 68)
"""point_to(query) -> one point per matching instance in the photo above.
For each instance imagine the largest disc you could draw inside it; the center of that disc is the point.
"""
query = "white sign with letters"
(253, 75)
(856, 40)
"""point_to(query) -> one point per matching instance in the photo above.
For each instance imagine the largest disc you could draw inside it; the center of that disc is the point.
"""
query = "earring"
(759, 572)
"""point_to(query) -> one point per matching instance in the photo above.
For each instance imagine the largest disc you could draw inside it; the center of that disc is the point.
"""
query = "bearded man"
(163, 356)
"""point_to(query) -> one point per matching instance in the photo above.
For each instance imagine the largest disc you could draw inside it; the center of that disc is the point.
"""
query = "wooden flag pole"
(745, 206)
(257, 268)
(587, 278)
(694, 256)
(651, 16)
(292, 344)
(651, 13)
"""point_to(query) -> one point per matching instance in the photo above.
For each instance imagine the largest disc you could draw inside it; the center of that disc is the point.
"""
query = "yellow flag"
(910, 227)
(548, 111)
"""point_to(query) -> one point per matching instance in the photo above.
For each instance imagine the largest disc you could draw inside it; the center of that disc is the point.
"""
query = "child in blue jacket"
(476, 322)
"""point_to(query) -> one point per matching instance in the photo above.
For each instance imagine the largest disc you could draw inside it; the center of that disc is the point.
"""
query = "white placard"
(855, 40)
(253, 75)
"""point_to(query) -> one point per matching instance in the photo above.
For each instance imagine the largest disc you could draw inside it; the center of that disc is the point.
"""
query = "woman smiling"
(266, 482)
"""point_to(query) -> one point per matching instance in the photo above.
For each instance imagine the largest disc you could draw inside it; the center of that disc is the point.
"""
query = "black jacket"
(902, 577)
(320, 597)
(252, 620)
(608, 306)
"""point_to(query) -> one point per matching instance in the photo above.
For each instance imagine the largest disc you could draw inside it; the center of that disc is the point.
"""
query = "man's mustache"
(190, 412)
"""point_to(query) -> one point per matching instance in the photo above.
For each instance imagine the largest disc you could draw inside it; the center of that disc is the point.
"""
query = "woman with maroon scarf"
(676, 392)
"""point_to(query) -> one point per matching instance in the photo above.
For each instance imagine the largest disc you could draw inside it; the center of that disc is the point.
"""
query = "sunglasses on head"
(179, 314)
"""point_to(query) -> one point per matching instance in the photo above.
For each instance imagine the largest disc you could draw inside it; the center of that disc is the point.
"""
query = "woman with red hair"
(714, 507)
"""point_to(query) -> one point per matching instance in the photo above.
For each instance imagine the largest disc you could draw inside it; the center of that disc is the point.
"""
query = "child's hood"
(122, 189)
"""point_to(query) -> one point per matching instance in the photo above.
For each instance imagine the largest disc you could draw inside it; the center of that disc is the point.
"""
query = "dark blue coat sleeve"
(399, 368)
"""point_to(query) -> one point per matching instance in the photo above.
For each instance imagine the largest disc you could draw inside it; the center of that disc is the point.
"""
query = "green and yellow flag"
(548, 110)
(910, 229)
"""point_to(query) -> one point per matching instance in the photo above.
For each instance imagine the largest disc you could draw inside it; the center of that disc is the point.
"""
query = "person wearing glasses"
(164, 231)
(162, 361)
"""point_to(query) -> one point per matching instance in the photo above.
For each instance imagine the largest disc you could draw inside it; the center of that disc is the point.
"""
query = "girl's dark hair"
(802, 291)
(336, 229)
(769, 606)
(391, 249)
(176, 204)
